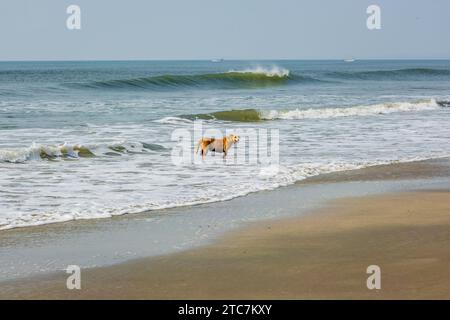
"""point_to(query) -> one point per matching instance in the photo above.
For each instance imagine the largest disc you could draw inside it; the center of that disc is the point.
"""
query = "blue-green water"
(94, 139)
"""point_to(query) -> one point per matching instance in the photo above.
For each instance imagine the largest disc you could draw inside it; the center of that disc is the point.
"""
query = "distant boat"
(349, 60)
(217, 60)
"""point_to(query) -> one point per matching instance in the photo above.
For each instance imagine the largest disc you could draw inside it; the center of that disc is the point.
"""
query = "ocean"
(85, 140)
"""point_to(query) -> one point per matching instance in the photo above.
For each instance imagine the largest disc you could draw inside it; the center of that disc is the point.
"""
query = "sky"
(229, 29)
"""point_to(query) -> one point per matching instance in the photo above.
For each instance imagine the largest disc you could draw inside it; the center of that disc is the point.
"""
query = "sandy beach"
(323, 255)
(285, 150)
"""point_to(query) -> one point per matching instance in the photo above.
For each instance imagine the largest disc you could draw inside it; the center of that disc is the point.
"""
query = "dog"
(216, 145)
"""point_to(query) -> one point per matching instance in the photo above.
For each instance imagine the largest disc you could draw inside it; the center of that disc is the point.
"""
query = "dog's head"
(234, 138)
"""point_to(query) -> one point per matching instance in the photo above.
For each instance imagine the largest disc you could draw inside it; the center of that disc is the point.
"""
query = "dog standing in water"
(216, 145)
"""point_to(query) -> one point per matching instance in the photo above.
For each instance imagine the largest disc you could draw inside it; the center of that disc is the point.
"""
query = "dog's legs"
(204, 151)
(226, 147)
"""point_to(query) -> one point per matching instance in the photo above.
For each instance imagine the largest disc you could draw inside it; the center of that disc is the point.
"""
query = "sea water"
(83, 140)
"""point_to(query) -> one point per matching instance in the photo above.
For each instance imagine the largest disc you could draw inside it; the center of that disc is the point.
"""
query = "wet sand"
(323, 255)
(427, 169)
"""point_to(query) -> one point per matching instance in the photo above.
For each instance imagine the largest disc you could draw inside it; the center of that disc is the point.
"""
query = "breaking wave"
(324, 113)
(254, 115)
(233, 79)
(67, 151)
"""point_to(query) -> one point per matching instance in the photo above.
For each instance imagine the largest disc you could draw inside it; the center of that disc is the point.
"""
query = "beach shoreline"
(327, 250)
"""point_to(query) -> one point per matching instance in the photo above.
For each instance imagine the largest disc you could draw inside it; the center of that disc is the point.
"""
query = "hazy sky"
(230, 29)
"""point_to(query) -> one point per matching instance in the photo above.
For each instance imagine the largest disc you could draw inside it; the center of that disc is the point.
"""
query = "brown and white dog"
(216, 145)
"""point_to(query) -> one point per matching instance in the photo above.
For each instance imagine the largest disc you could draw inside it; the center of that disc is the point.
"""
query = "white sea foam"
(173, 120)
(370, 110)
(269, 178)
(69, 151)
(37, 152)
(315, 113)
(269, 72)
(125, 176)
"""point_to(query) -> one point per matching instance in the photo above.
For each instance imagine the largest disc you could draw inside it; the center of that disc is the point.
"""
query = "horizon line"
(210, 60)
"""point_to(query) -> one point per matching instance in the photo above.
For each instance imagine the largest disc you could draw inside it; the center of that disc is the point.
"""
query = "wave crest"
(255, 115)
(272, 72)
(67, 151)
(233, 79)
(324, 113)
